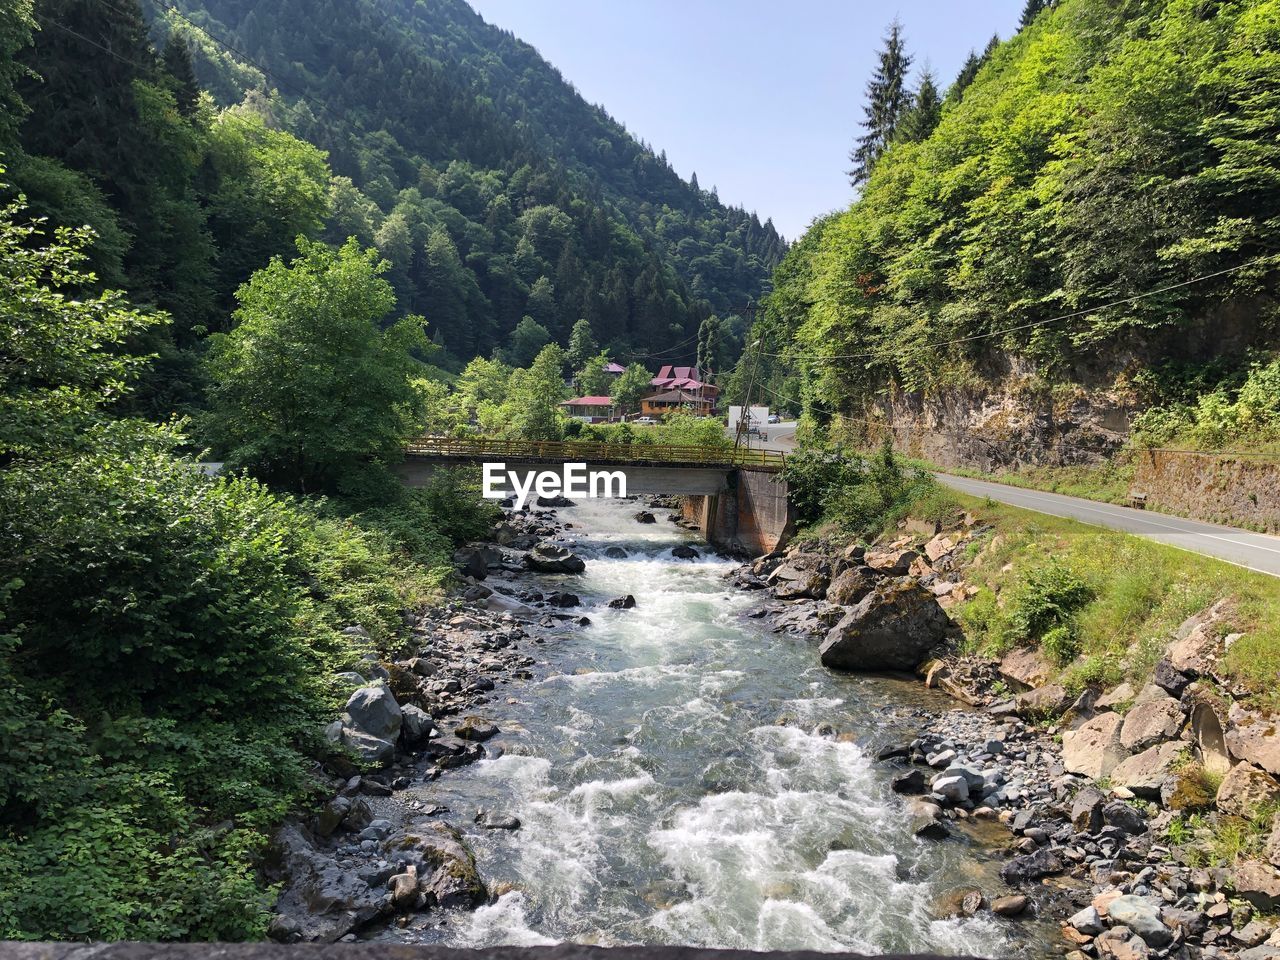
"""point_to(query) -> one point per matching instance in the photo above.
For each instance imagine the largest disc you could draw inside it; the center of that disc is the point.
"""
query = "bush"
(1045, 603)
(166, 647)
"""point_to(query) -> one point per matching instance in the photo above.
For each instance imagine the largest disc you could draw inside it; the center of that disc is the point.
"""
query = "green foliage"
(582, 345)
(532, 407)
(591, 378)
(630, 386)
(1101, 153)
(527, 340)
(60, 353)
(308, 386)
(1240, 410)
(860, 495)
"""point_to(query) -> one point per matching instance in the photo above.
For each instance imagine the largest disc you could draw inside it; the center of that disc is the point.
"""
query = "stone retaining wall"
(1238, 491)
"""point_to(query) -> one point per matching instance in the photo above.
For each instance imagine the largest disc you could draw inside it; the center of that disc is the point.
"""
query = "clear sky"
(760, 97)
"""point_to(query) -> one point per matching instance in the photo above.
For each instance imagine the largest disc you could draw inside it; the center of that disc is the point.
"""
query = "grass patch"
(1118, 598)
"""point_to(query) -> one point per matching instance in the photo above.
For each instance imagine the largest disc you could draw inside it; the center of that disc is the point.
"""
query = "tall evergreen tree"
(968, 70)
(925, 111)
(182, 75)
(887, 98)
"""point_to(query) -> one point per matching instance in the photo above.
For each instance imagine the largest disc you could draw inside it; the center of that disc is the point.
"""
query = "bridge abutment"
(753, 516)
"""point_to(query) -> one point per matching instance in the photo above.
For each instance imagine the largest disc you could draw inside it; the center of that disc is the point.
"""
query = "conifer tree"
(887, 98)
(925, 111)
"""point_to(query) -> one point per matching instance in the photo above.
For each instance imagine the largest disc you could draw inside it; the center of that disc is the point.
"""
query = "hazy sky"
(760, 97)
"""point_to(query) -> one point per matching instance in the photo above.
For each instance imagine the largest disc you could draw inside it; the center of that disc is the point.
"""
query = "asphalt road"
(1256, 551)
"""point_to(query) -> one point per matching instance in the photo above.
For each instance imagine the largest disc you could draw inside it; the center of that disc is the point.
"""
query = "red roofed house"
(680, 388)
(589, 409)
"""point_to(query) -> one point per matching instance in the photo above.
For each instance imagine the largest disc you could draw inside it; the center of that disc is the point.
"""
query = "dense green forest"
(200, 142)
(1045, 221)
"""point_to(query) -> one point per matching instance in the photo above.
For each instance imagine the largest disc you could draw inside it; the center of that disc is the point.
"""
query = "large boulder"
(1255, 738)
(475, 559)
(1144, 772)
(1093, 749)
(892, 628)
(1047, 701)
(552, 558)
(1026, 667)
(321, 901)
(851, 586)
(1258, 882)
(446, 865)
(373, 710)
(1247, 791)
(1151, 722)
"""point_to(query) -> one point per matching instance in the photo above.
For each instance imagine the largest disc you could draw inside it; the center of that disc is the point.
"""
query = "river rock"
(1124, 818)
(1142, 916)
(416, 724)
(684, 552)
(615, 553)
(912, 781)
(1033, 866)
(321, 901)
(553, 558)
(644, 516)
(1273, 842)
(475, 729)
(812, 585)
(497, 821)
(851, 585)
(892, 628)
(1258, 882)
(1149, 723)
(1009, 906)
(374, 711)
(1246, 791)
(446, 865)
(1088, 921)
(1086, 810)
(1093, 749)
(475, 559)
(951, 787)
(1254, 738)
(1143, 773)
(557, 500)
(563, 599)
(623, 603)
(1025, 667)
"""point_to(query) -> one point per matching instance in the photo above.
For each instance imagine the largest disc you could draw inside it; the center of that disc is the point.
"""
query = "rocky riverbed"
(1092, 785)
(464, 809)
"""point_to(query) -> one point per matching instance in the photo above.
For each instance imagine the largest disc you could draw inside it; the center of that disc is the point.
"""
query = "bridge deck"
(672, 455)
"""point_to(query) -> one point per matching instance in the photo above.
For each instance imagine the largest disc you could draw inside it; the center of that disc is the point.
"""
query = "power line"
(1041, 323)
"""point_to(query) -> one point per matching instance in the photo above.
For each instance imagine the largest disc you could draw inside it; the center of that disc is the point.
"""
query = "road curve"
(1257, 551)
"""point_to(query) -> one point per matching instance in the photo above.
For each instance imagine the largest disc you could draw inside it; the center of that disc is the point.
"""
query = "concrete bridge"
(738, 497)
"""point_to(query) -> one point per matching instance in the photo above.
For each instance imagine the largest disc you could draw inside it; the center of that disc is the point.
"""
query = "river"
(664, 800)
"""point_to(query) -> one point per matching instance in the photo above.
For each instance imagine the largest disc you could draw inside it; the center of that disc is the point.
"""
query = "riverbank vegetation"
(1100, 604)
(1079, 174)
(168, 638)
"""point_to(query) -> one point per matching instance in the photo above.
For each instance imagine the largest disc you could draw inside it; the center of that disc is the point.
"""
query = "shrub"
(166, 644)
(1047, 599)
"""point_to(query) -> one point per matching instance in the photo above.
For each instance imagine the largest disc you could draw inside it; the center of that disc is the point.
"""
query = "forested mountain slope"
(1046, 243)
(465, 149)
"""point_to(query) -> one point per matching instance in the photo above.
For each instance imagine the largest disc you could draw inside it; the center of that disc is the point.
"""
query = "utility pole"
(744, 418)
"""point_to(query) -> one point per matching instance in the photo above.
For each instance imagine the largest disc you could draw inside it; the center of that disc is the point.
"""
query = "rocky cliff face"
(1011, 423)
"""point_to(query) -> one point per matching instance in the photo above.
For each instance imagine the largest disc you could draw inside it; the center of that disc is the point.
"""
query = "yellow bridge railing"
(573, 450)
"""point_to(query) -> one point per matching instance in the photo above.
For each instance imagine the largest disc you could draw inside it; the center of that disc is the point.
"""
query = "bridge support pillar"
(754, 516)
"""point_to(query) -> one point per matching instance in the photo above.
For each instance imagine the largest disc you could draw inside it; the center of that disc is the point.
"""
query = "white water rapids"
(663, 802)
